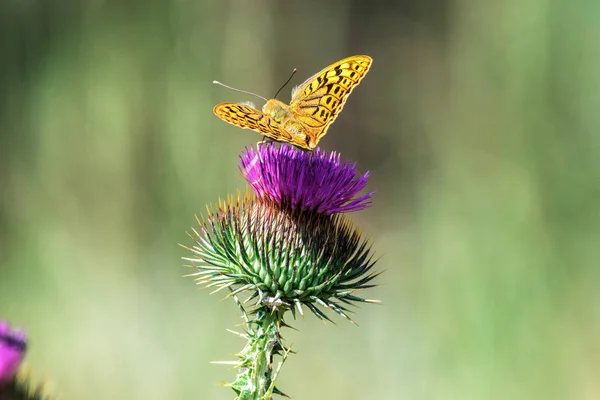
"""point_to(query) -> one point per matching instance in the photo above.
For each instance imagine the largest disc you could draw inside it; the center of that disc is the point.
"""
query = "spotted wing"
(318, 101)
(248, 117)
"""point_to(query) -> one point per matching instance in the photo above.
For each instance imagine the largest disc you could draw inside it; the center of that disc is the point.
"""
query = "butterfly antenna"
(239, 90)
(286, 82)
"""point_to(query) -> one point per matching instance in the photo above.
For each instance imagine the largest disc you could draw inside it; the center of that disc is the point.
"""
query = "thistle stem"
(256, 376)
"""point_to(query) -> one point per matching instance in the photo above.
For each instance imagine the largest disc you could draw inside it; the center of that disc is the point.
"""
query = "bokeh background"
(479, 122)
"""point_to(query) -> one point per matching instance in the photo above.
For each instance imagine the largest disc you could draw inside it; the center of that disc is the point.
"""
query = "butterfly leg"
(265, 140)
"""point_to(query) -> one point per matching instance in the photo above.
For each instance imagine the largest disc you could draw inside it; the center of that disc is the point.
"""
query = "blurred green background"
(479, 121)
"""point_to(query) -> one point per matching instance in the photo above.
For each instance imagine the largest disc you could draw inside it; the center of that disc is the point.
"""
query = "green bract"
(285, 259)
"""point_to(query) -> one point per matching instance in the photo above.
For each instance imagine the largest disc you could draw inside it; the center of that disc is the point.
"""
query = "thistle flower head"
(13, 344)
(304, 180)
(285, 259)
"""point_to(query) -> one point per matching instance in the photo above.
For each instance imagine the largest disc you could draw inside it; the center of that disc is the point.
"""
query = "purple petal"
(12, 350)
(315, 181)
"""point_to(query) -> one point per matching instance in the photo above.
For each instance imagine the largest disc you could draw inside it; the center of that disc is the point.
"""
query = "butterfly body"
(314, 106)
(290, 127)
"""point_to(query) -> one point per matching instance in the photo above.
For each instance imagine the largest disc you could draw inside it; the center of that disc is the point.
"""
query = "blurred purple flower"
(13, 344)
(309, 181)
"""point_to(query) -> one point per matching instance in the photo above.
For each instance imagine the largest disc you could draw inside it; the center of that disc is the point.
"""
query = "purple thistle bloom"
(12, 350)
(305, 180)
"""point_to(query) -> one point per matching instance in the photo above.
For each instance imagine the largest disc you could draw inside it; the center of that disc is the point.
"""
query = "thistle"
(13, 343)
(13, 385)
(284, 248)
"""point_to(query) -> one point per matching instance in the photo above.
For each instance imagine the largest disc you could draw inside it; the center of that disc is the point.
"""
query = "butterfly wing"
(318, 101)
(248, 117)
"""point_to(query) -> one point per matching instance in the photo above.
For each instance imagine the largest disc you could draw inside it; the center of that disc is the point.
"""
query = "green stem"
(256, 377)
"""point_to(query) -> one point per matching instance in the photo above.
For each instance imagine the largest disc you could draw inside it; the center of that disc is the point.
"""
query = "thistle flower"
(303, 180)
(13, 344)
(289, 247)
(13, 385)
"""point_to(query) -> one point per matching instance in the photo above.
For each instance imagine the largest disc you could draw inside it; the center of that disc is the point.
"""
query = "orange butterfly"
(314, 106)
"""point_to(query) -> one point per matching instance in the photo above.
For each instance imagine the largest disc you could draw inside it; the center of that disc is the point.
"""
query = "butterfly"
(314, 106)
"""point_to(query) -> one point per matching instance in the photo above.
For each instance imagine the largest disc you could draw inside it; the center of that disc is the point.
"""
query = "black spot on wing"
(334, 88)
(321, 113)
(330, 102)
